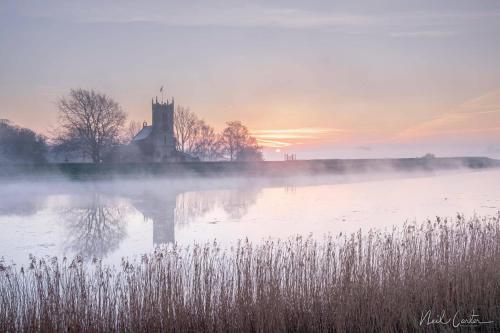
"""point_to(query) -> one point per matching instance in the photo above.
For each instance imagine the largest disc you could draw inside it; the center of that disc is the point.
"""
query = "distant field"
(263, 168)
(396, 281)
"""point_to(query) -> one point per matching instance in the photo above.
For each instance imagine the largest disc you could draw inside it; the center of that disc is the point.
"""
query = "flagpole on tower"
(161, 90)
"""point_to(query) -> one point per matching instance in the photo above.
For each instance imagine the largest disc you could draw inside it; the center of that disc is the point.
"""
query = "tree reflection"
(96, 226)
(190, 205)
(235, 202)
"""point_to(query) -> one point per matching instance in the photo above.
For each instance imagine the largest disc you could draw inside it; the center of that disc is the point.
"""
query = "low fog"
(126, 216)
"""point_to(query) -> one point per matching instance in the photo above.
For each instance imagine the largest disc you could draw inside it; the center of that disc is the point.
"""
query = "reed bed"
(371, 282)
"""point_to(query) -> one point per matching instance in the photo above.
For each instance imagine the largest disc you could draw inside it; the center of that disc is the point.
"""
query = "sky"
(318, 79)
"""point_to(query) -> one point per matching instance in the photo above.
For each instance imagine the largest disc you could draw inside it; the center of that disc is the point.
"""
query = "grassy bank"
(83, 171)
(380, 282)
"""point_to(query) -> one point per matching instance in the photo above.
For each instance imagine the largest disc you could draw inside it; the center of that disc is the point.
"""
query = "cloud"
(273, 143)
(231, 14)
(478, 117)
(179, 14)
(294, 133)
(278, 138)
(488, 102)
(424, 33)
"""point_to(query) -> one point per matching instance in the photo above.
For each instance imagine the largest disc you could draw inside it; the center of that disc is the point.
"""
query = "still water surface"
(111, 219)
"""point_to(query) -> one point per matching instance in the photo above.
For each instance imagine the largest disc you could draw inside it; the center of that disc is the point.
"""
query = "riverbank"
(245, 169)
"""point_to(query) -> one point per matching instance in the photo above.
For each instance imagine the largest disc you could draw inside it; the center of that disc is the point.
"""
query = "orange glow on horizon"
(280, 138)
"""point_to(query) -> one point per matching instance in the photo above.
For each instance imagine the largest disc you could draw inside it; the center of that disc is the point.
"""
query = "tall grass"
(378, 282)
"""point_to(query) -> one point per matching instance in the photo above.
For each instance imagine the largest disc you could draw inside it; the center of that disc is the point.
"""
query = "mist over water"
(123, 217)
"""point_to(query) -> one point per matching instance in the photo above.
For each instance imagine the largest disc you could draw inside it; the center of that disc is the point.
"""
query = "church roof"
(143, 134)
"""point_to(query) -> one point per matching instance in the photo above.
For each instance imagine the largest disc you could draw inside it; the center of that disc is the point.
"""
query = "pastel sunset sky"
(317, 78)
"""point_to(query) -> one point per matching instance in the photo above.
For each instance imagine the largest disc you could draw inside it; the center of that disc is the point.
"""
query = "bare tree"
(196, 138)
(132, 129)
(233, 138)
(207, 145)
(185, 128)
(251, 151)
(90, 122)
(238, 144)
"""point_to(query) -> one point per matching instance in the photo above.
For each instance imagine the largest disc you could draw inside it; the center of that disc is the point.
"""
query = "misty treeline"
(91, 126)
(21, 145)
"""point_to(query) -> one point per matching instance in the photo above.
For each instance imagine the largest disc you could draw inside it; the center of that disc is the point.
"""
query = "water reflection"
(190, 205)
(93, 218)
(237, 202)
(234, 202)
(160, 209)
(26, 205)
(95, 225)
(125, 217)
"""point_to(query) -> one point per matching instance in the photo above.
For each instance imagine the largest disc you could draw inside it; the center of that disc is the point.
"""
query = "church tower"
(163, 130)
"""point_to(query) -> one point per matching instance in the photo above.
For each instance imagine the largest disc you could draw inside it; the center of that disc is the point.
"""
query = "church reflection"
(160, 209)
(172, 209)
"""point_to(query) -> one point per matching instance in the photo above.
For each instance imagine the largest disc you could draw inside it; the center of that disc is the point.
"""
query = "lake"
(127, 217)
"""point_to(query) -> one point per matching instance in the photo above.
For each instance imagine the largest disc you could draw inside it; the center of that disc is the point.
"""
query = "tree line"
(21, 145)
(91, 126)
(197, 138)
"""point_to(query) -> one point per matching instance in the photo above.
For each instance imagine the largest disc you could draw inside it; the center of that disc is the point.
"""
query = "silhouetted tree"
(208, 144)
(90, 122)
(132, 129)
(194, 136)
(250, 152)
(185, 128)
(237, 144)
(21, 145)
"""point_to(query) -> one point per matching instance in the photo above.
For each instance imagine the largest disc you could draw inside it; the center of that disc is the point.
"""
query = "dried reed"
(373, 282)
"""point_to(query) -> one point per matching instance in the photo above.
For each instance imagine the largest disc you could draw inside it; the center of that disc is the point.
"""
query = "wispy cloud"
(294, 133)
(273, 143)
(278, 138)
(477, 116)
(489, 101)
(306, 130)
(251, 15)
(423, 33)
(177, 14)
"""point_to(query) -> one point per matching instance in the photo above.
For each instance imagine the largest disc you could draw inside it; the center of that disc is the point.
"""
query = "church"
(156, 142)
